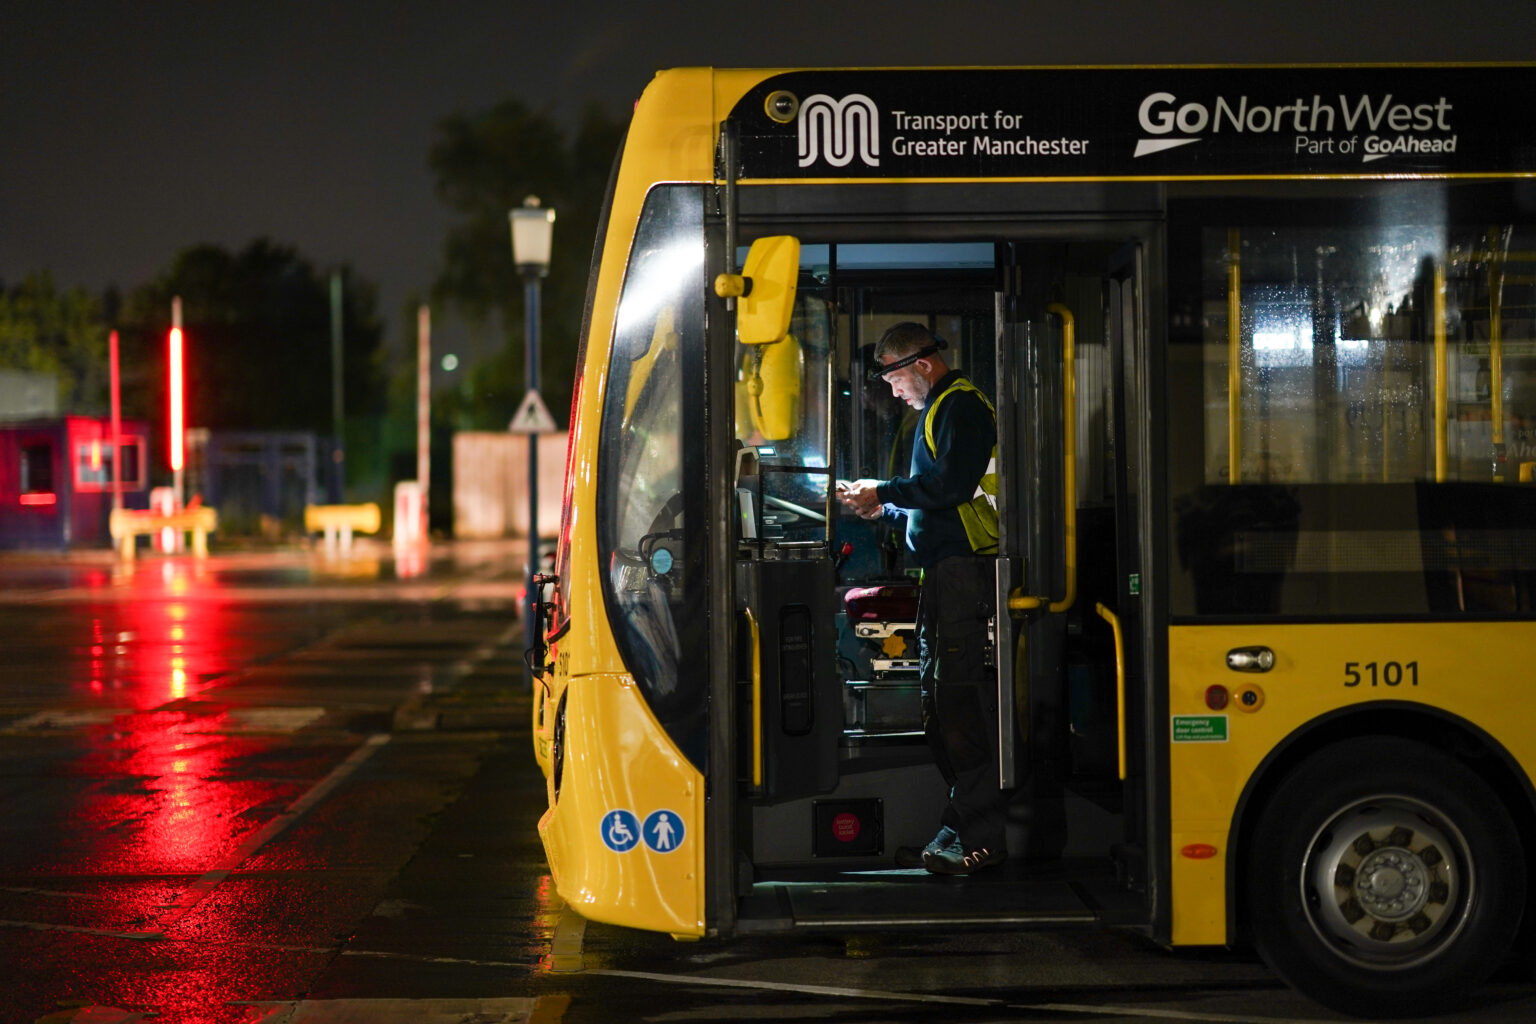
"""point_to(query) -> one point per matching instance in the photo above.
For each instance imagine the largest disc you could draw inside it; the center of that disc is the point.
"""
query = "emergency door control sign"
(1199, 728)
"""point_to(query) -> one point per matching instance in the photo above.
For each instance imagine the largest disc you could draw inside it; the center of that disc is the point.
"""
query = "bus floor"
(1014, 893)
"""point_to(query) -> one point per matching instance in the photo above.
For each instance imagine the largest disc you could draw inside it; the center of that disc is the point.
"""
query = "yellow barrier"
(127, 524)
(338, 522)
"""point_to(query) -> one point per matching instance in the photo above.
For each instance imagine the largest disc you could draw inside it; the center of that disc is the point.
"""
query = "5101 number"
(1386, 673)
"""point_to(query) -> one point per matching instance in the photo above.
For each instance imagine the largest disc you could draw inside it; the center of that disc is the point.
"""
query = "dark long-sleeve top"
(964, 434)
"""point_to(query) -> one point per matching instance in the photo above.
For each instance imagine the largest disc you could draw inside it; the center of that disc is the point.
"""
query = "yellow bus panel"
(1444, 668)
(625, 847)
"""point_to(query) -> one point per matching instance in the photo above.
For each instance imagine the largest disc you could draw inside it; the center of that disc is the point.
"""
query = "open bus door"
(1072, 326)
(1126, 322)
(831, 769)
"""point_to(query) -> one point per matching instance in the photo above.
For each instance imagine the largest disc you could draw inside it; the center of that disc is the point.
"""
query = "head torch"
(881, 369)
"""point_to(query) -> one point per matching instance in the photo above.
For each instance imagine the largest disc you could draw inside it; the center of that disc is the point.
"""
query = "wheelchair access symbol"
(621, 830)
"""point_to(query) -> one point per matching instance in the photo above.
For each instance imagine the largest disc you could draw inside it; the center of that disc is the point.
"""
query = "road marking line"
(413, 715)
(422, 958)
(36, 926)
(64, 718)
(268, 719)
(550, 1009)
(810, 990)
(211, 880)
(417, 958)
(1107, 1010)
(565, 949)
(441, 1010)
(98, 1015)
(921, 997)
(375, 954)
(23, 890)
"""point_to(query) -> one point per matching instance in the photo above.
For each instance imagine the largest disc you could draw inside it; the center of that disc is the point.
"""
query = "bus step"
(882, 707)
(915, 903)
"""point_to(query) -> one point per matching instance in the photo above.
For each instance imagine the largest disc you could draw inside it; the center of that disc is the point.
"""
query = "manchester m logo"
(837, 130)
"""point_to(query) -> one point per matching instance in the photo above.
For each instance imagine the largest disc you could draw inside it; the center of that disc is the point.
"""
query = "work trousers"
(959, 693)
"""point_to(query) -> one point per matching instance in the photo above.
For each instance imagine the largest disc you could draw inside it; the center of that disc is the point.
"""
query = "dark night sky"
(129, 131)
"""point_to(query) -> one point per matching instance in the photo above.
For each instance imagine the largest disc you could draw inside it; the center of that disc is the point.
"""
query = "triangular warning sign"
(532, 417)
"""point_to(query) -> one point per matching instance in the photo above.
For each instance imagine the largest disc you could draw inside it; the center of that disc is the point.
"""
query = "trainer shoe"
(955, 861)
(912, 857)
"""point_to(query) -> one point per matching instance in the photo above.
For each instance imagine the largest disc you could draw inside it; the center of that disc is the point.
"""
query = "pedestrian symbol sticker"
(663, 831)
(621, 830)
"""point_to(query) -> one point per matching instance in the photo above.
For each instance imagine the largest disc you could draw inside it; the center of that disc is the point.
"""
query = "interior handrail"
(1019, 601)
(757, 700)
(1114, 624)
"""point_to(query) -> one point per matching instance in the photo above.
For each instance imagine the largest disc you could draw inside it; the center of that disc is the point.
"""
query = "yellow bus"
(1261, 343)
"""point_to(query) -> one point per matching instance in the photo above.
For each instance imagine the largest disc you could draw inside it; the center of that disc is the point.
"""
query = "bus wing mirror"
(775, 388)
(537, 651)
(764, 290)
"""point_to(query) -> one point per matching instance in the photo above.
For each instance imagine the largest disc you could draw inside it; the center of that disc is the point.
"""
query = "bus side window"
(1353, 430)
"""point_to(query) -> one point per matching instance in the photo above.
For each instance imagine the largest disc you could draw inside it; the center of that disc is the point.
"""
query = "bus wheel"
(1384, 879)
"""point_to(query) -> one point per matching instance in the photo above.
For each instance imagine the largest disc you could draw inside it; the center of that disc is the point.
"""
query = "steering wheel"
(667, 515)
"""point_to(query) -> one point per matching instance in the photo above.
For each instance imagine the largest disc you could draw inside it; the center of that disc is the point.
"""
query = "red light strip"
(177, 412)
(40, 498)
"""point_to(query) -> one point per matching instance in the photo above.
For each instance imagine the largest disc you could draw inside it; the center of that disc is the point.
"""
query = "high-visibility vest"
(979, 514)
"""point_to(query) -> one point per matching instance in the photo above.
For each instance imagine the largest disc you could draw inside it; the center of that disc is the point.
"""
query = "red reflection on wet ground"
(164, 799)
(546, 918)
(165, 645)
(140, 803)
(168, 789)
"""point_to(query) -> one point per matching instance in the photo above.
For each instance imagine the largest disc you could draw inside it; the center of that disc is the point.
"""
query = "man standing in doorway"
(951, 520)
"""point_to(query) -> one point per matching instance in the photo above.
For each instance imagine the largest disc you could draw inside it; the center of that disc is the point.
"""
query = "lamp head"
(533, 228)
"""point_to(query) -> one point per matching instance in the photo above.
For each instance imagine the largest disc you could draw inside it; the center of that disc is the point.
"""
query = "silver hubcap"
(1387, 882)
(1392, 883)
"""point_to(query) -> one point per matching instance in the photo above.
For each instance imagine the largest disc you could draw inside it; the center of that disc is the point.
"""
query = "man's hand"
(860, 497)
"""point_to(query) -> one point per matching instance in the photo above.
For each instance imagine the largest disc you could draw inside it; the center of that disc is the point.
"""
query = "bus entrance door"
(1068, 319)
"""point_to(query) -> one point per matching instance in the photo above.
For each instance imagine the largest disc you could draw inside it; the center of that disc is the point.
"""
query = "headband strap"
(880, 370)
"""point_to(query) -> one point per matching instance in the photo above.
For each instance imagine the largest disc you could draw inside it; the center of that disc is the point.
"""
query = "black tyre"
(1384, 879)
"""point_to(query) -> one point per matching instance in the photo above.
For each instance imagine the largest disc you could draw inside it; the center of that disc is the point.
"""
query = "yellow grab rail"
(1114, 624)
(1234, 356)
(1496, 352)
(1442, 399)
(1496, 343)
(757, 699)
(1019, 601)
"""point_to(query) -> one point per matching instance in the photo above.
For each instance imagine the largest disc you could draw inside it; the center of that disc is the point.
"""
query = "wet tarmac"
(286, 787)
(370, 570)
(212, 770)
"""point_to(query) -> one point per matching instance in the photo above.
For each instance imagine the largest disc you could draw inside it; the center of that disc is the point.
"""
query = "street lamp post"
(533, 228)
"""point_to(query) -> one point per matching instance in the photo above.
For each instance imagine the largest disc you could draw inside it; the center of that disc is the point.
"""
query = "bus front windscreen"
(651, 435)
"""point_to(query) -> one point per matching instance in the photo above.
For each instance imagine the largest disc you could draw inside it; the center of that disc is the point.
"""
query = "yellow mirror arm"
(732, 286)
